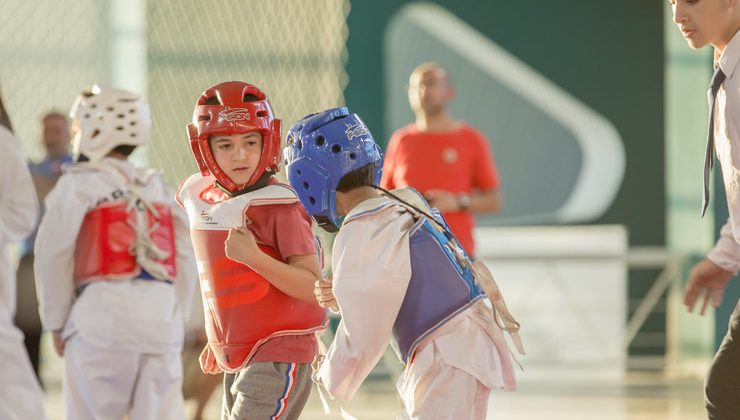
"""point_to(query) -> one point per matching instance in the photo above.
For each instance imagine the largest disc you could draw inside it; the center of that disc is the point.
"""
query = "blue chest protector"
(440, 287)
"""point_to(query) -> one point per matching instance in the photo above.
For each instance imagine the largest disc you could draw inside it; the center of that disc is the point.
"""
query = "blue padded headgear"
(322, 148)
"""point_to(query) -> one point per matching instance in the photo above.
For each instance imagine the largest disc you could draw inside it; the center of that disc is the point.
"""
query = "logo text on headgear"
(230, 114)
(355, 130)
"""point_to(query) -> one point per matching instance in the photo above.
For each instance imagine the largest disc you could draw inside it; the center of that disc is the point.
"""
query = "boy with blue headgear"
(398, 273)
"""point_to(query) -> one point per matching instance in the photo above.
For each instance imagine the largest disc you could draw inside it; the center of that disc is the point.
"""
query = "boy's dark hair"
(124, 149)
(361, 177)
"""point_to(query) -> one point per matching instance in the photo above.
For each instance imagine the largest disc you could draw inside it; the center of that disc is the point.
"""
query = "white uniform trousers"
(434, 390)
(102, 384)
(20, 393)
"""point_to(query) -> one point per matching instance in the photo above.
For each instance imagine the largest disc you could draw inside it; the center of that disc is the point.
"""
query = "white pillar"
(127, 51)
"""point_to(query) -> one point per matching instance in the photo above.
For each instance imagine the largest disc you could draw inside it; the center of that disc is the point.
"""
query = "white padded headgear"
(106, 118)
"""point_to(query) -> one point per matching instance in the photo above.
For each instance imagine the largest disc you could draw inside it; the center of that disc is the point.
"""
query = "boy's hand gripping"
(324, 295)
(241, 245)
(208, 362)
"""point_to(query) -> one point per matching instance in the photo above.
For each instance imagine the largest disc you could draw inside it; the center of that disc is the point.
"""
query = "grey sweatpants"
(269, 390)
(722, 389)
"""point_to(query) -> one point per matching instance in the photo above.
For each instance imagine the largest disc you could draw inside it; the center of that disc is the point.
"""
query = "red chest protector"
(107, 238)
(242, 309)
(118, 239)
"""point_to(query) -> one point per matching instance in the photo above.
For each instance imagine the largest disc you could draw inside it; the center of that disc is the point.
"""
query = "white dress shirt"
(726, 252)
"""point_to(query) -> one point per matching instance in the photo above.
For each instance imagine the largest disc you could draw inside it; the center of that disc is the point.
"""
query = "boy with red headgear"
(257, 258)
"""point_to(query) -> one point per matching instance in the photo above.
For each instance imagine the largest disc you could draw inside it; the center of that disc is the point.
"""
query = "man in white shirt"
(716, 23)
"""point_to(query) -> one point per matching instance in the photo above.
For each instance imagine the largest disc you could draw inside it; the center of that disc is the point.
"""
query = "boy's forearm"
(295, 278)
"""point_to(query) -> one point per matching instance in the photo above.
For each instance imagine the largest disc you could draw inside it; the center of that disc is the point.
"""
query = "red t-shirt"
(287, 229)
(458, 161)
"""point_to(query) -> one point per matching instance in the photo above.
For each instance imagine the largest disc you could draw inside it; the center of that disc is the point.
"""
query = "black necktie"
(717, 80)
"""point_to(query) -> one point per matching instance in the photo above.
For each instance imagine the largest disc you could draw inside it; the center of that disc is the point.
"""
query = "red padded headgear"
(230, 108)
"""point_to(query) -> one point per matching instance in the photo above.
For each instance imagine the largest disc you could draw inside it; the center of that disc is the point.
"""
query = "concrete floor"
(544, 393)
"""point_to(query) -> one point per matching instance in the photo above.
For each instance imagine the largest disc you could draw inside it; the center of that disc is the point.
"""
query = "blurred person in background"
(445, 159)
(55, 140)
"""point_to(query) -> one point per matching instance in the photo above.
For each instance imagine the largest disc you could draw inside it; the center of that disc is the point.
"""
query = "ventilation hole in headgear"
(305, 185)
(119, 128)
(110, 108)
(120, 115)
(213, 100)
(299, 144)
(93, 105)
(95, 133)
(133, 134)
(285, 162)
(299, 172)
(204, 118)
(320, 141)
(86, 116)
(132, 110)
(262, 114)
(249, 97)
(335, 148)
(132, 123)
(353, 156)
(312, 201)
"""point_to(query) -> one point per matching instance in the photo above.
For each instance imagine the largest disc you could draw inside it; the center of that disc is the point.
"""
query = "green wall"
(615, 68)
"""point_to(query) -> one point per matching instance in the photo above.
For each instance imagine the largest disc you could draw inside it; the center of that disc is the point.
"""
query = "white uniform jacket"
(18, 210)
(137, 315)
(371, 263)
(20, 394)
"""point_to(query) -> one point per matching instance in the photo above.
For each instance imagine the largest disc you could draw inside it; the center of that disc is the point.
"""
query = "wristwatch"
(463, 202)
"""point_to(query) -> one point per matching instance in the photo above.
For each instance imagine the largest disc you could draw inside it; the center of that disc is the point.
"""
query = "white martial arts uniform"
(452, 371)
(20, 393)
(123, 338)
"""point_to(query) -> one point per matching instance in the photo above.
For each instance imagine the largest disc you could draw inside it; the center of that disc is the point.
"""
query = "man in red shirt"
(446, 160)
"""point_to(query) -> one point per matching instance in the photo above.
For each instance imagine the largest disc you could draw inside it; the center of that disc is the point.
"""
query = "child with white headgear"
(114, 268)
